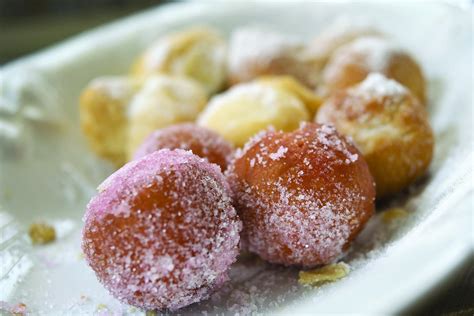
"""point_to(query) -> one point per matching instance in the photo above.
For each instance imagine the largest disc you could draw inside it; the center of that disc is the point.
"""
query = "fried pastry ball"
(198, 53)
(302, 196)
(389, 126)
(246, 109)
(256, 52)
(103, 108)
(201, 141)
(351, 64)
(163, 101)
(342, 31)
(162, 233)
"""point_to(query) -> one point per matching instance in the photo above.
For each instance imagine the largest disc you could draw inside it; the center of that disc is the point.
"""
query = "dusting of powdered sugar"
(255, 46)
(341, 31)
(371, 53)
(376, 85)
(118, 88)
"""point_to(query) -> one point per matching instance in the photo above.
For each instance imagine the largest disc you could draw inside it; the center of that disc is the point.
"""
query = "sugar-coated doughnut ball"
(103, 115)
(351, 64)
(198, 53)
(163, 100)
(162, 233)
(201, 141)
(389, 126)
(246, 109)
(257, 52)
(302, 196)
(341, 31)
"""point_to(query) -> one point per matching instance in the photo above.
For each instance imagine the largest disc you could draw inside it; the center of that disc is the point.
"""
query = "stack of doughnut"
(287, 161)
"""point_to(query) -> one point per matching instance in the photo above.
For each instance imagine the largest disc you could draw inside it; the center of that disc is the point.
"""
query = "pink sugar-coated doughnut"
(162, 233)
(200, 140)
(302, 196)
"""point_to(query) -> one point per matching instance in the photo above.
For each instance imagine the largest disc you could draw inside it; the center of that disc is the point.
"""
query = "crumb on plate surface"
(394, 214)
(41, 233)
(328, 273)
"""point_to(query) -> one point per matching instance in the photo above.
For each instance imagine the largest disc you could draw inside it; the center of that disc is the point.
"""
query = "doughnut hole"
(311, 100)
(342, 31)
(303, 196)
(162, 233)
(102, 110)
(246, 109)
(201, 141)
(389, 126)
(163, 101)
(351, 63)
(257, 52)
(198, 53)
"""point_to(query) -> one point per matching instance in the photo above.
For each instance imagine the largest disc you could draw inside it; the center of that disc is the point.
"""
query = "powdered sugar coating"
(255, 45)
(198, 52)
(201, 141)
(117, 88)
(378, 86)
(353, 62)
(341, 31)
(162, 232)
(305, 207)
(254, 52)
(390, 127)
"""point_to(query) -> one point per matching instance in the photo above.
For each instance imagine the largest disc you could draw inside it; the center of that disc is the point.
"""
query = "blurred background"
(29, 25)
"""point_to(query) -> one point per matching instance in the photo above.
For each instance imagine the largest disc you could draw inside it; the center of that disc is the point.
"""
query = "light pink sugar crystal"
(305, 207)
(162, 232)
(201, 141)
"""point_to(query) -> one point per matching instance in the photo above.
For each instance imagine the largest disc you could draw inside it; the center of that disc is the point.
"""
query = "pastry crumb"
(13, 309)
(101, 307)
(393, 214)
(84, 298)
(41, 233)
(326, 274)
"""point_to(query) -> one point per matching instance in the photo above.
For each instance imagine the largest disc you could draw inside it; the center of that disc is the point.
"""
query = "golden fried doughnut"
(198, 53)
(291, 85)
(351, 64)
(163, 101)
(103, 108)
(254, 53)
(342, 31)
(246, 109)
(390, 127)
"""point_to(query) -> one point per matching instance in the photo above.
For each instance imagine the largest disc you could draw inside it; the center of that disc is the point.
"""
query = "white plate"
(47, 171)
